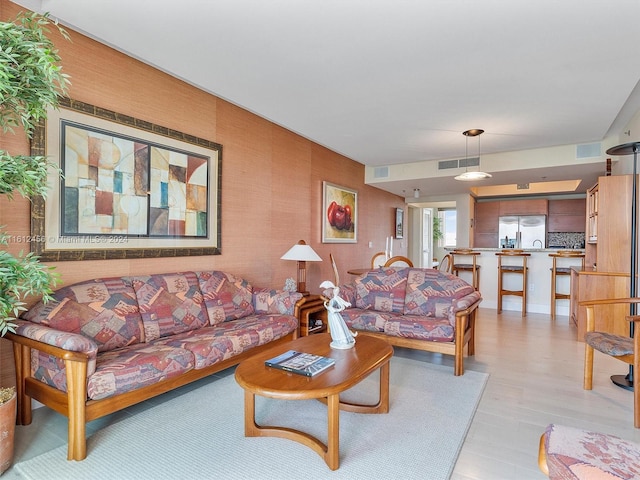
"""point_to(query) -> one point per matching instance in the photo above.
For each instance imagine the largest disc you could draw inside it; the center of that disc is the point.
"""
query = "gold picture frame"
(339, 214)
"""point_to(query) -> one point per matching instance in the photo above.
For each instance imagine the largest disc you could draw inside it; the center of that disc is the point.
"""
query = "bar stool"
(473, 267)
(520, 269)
(561, 271)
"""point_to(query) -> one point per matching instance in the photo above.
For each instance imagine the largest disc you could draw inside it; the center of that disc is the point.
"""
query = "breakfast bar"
(539, 264)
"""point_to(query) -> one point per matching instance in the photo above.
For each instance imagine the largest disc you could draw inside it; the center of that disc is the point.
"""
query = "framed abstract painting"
(128, 189)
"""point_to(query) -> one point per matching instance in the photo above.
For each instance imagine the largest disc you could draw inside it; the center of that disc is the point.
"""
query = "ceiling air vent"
(381, 172)
(462, 163)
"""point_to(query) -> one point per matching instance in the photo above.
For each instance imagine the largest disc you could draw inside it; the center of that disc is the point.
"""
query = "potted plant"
(437, 229)
(30, 82)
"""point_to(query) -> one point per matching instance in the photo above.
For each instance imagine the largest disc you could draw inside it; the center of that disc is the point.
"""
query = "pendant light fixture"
(468, 176)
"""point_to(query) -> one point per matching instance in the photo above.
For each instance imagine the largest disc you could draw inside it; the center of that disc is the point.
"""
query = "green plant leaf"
(31, 82)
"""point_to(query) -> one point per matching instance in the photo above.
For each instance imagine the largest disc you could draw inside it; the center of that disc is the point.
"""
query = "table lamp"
(302, 253)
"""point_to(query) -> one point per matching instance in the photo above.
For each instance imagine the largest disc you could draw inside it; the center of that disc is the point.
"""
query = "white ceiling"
(389, 82)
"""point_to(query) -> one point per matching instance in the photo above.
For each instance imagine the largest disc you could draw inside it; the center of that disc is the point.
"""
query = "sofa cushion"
(169, 303)
(213, 344)
(382, 289)
(430, 292)
(368, 320)
(105, 310)
(226, 297)
(130, 368)
(434, 329)
(275, 301)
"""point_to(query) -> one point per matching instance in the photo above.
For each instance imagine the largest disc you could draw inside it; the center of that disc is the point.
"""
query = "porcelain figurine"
(342, 337)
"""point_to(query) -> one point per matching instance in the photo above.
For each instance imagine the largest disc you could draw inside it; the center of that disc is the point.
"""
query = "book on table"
(301, 363)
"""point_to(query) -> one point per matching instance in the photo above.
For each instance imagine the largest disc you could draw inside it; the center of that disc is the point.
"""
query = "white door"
(427, 238)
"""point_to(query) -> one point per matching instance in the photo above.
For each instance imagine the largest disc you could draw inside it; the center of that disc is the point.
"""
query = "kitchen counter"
(539, 280)
(528, 250)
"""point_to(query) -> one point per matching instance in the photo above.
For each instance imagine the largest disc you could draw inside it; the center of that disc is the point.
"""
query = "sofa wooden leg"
(471, 325)
(77, 398)
(22, 358)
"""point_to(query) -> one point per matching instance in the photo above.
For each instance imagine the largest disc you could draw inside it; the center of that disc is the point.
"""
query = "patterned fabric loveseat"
(106, 344)
(418, 308)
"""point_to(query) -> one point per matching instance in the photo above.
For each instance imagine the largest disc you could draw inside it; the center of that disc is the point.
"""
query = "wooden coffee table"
(351, 367)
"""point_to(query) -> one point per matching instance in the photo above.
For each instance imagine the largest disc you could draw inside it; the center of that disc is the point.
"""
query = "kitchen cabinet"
(486, 224)
(609, 224)
(567, 215)
(524, 207)
(563, 215)
(591, 227)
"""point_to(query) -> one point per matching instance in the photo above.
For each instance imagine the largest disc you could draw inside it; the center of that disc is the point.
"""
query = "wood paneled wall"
(271, 177)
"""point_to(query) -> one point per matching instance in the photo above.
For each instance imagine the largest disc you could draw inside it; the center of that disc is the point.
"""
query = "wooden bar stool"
(561, 271)
(457, 267)
(520, 269)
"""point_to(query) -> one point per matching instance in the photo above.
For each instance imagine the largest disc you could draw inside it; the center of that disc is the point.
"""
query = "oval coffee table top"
(352, 366)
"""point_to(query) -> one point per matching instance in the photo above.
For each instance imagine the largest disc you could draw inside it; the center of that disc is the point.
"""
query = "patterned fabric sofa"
(418, 308)
(106, 344)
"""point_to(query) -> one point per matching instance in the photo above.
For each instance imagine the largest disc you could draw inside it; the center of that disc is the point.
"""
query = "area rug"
(200, 434)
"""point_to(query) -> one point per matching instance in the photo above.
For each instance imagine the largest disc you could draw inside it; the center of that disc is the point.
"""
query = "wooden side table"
(312, 316)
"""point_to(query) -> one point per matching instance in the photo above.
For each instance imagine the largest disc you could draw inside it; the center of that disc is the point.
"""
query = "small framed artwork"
(399, 223)
(339, 214)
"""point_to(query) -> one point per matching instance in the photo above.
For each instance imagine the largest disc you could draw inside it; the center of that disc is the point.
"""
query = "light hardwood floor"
(535, 367)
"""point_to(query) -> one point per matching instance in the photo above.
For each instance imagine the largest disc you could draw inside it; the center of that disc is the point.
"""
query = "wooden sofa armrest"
(49, 349)
(542, 456)
(76, 367)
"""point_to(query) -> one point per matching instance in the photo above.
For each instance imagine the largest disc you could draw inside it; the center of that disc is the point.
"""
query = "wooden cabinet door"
(524, 207)
(614, 223)
(567, 215)
(486, 225)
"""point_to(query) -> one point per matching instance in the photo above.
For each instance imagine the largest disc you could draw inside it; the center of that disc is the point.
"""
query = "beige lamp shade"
(302, 253)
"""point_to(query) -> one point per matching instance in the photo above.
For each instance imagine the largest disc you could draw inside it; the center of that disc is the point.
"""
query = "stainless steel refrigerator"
(522, 231)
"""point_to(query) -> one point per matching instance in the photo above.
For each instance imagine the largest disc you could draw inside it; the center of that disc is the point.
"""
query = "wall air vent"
(469, 162)
(446, 164)
(523, 186)
(589, 150)
(381, 172)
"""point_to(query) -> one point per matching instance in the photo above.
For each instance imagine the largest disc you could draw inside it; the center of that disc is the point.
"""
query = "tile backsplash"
(565, 240)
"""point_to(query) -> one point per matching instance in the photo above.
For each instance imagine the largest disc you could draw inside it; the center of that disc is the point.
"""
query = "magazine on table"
(301, 363)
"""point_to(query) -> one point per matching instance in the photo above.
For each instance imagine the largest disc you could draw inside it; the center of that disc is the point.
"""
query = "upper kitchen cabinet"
(567, 215)
(486, 224)
(524, 207)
